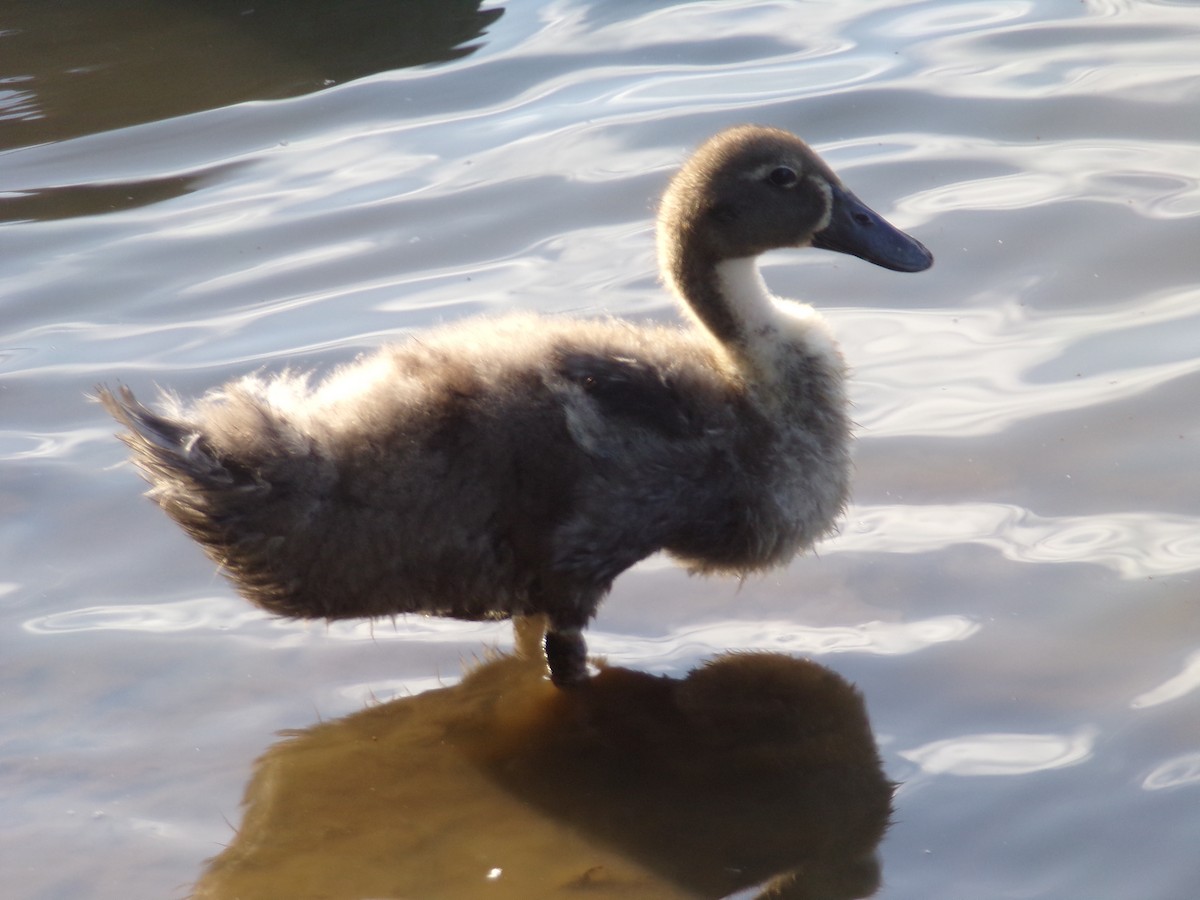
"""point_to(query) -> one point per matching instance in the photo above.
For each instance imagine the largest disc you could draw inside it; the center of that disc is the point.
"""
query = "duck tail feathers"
(169, 451)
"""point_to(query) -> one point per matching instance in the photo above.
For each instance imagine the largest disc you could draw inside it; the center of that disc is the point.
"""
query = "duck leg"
(529, 636)
(568, 603)
(564, 648)
(566, 655)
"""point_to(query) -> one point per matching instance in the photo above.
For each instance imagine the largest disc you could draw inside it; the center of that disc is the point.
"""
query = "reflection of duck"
(753, 768)
(518, 465)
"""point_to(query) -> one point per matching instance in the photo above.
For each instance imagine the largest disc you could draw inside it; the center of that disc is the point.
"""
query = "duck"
(514, 466)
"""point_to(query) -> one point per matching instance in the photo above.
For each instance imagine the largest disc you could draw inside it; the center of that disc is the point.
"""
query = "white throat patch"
(774, 327)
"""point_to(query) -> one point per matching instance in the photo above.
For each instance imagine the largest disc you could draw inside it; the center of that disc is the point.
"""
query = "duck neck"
(767, 336)
(700, 284)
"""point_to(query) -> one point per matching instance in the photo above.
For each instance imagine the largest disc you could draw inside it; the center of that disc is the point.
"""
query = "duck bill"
(857, 229)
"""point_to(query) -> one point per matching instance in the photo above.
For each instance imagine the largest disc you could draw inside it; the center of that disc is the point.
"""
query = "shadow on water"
(74, 200)
(76, 67)
(755, 769)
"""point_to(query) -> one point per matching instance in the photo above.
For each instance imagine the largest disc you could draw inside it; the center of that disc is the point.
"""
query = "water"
(194, 191)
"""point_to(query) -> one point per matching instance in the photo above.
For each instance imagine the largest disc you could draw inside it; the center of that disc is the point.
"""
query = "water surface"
(188, 194)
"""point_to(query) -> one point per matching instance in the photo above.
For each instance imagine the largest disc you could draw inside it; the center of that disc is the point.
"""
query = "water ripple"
(913, 378)
(228, 613)
(1173, 688)
(1008, 53)
(1155, 177)
(781, 636)
(960, 17)
(218, 614)
(1003, 754)
(1132, 544)
(1178, 772)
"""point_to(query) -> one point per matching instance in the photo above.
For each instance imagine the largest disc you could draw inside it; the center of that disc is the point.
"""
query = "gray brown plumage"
(517, 465)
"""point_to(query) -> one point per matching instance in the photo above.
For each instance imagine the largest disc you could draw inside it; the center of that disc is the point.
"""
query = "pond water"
(192, 191)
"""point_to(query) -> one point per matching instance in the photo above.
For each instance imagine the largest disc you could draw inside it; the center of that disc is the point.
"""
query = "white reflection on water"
(1003, 754)
(1177, 772)
(682, 646)
(1004, 62)
(217, 614)
(292, 263)
(959, 17)
(229, 612)
(780, 636)
(909, 365)
(1156, 179)
(1173, 688)
(26, 445)
(1133, 544)
(728, 87)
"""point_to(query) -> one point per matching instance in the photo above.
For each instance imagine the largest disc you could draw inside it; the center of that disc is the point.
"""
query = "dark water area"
(76, 67)
(192, 191)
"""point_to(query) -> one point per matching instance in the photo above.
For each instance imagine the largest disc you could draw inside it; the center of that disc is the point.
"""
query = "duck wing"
(633, 391)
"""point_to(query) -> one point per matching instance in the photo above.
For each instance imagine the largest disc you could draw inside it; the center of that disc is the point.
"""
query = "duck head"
(751, 189)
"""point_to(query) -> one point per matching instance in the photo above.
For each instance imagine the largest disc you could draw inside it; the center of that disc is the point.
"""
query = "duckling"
(515, 466)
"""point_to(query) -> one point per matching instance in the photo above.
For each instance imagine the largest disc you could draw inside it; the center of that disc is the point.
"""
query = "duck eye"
(783, 176)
